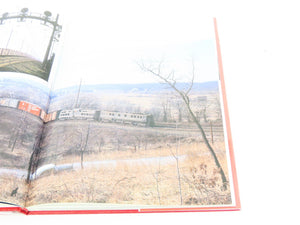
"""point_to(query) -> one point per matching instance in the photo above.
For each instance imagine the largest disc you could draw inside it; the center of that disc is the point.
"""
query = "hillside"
(145, 88)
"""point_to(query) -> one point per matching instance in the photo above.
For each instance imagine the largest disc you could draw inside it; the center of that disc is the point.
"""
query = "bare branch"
(175, 156)
(159, 67)
(170, 80)
(192, 79)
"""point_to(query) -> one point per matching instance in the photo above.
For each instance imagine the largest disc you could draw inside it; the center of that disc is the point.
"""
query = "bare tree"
(165, 112)
(100, 143)
(19, 132)
(166, 108)
(179, 109)
(81, 135)
(218, 107)
(157, 180)
(184, 93)
(84, 144)
(176, 157)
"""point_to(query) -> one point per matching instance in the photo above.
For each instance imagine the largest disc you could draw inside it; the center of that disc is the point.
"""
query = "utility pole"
(78, 93)
(55, 25)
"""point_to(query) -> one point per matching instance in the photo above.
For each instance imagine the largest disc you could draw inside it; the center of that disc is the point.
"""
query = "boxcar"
(31, 108)
(9, 102)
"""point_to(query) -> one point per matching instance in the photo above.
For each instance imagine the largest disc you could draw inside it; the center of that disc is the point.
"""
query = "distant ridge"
(143, 88)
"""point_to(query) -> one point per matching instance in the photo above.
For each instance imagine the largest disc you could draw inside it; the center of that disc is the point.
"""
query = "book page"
(136, 121)
(26, 61)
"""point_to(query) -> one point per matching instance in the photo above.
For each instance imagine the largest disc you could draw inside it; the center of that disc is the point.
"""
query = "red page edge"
(226, 114)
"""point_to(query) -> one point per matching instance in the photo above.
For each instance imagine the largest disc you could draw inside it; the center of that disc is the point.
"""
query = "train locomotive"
(130, 118)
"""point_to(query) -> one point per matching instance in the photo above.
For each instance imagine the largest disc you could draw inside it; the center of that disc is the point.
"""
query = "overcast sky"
(102, 43)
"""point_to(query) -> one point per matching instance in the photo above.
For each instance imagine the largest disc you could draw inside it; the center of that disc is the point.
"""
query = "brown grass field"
(198, 182)
(10, 183)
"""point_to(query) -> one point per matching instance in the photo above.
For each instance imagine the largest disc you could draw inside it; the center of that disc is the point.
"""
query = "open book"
(132, 123)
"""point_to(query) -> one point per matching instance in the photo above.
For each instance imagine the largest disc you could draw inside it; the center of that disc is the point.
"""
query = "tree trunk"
(81, 159)
(224, 180)
(15, 141)
(211, 132)
(85, 145)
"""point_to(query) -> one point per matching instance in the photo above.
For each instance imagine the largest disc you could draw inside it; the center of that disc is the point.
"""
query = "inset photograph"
(28, 42)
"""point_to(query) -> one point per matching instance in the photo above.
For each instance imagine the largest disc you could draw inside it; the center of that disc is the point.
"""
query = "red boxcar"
(28, 107)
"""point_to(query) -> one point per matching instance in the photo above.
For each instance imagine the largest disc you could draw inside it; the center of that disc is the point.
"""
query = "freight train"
(24, 106)
(81, 114)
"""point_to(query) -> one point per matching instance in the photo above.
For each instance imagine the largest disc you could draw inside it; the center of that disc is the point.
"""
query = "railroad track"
(191, 132)
(11, 60)
(23, 64)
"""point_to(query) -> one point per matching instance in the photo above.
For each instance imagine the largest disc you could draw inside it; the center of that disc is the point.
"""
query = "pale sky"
(101, 43)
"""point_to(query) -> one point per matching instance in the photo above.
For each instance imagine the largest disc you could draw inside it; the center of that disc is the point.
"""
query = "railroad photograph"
(138, 144)
(142, 128)
(28, 42)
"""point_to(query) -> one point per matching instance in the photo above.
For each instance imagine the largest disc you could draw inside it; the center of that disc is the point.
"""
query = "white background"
(261, 57)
